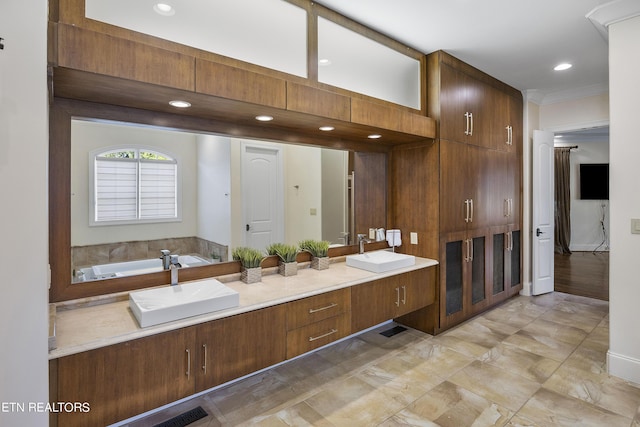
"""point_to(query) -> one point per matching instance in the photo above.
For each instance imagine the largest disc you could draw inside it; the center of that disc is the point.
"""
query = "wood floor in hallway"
(583, 273)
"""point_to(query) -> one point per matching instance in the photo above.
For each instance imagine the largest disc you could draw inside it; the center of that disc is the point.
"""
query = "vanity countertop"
(91, 323)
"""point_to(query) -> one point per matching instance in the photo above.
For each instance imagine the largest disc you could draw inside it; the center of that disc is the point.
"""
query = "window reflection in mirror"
(217, 196)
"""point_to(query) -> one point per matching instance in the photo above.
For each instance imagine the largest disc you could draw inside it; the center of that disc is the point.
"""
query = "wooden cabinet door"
(373, 303)
(417, 290)
(464, 284)
(480, 104)
(453, 105)
(123, 380)
(456, 174)
(238, 345)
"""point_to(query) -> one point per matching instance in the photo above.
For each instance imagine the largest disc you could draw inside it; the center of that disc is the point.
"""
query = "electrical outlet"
(635, 226)
(372, 234)
(313, 211)
(413, 237)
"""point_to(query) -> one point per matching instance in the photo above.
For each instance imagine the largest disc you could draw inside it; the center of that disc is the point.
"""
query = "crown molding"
(610, 13)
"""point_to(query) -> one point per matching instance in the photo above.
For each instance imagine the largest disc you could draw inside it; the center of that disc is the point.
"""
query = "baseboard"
(589, 248)
(623, 367)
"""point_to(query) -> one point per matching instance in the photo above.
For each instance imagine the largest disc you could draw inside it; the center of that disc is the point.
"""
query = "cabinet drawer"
(317, 334)
(313, 309)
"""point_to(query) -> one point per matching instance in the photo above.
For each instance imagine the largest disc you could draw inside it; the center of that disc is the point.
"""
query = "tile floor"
(533, 361)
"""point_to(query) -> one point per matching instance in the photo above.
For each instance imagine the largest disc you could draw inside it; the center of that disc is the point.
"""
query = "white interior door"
(543, 212)
(262, 195)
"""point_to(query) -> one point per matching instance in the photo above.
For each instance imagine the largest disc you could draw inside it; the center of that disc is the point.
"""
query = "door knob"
(539, 232)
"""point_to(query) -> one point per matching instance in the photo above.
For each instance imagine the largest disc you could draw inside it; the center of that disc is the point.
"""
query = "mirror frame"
(60, 115)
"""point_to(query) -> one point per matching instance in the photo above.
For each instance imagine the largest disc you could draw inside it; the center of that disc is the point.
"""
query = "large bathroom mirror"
(139, 189)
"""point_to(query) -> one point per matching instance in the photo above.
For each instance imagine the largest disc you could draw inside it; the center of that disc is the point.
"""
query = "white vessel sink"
(169, 303)
(380, 261)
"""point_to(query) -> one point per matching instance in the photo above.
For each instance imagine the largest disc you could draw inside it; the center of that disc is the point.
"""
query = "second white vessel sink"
(169, 303)
(380, 261)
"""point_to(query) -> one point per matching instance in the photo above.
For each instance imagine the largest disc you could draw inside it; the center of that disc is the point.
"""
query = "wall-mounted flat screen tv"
(594, 181)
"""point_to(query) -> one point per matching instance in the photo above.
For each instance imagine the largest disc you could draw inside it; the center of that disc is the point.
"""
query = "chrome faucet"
(165, 257)
(173, 267)
(362, 239)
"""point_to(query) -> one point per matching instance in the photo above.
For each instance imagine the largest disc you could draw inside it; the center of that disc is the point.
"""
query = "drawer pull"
(188, 364)
(331, 332)
(204, 358)
(315, 310)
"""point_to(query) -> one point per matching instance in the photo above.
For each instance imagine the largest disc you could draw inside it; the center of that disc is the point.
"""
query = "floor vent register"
(393, 331)
(185, 418)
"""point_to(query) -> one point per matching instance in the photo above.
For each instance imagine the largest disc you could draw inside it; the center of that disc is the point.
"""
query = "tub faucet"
(173, 267)
(165, 257)
(362, 239)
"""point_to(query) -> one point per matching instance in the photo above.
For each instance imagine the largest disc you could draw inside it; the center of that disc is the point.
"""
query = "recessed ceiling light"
(264, 118)
(180, 104)
(374, 136)
(563, 66)
(164, 9)
(326, 128)
(324, 62)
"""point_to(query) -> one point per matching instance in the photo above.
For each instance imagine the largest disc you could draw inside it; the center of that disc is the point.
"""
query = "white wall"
(586, 112)
(24, 214)
(88, 136)
(214, 188)
(624, 285)
(586, 215)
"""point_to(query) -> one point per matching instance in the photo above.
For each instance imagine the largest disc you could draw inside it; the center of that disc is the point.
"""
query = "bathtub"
(130, 268)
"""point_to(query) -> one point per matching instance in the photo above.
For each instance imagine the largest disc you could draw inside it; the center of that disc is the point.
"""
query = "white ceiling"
(516, 41)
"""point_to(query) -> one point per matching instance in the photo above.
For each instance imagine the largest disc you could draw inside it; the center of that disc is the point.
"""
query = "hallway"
(583, 273)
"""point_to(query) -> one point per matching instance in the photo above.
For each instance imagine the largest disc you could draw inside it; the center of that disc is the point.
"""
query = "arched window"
(132, 185)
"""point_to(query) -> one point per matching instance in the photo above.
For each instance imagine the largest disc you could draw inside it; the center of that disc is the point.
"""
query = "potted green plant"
(250, 260)
(287, 265)
(319, 250)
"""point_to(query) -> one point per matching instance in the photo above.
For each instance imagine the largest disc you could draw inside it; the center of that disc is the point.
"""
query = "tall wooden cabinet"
(480, 148)
(461, 194)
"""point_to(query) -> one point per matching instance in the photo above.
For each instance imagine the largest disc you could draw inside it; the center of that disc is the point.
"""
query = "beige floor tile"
(521, 362)
(400, 378)
(520, 421)
(541, 345)
(483, 332)
(436, 359)
(549, 409)
(354, 402)
(460, 345)
(565, 333)
(496, 384)
(257, 394)
(576, 315)
(353, 354)
(512, 318)
(310, 372)
(451, 405)
(298, 415)
(600, 389)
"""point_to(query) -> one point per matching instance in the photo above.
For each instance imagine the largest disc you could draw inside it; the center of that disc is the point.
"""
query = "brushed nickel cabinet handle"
(398, 297)
(331, 332)
(404, 295)
(467, 116)
(188, 364)
(315, 310)
(204, 358)
(471, 216)
(471, 131)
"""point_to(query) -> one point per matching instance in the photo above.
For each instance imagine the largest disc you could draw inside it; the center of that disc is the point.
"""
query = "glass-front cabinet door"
(463, 276)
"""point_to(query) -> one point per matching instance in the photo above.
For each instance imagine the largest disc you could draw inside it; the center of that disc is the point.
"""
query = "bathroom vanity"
(120, 369)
